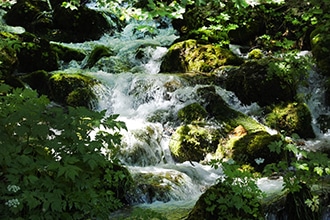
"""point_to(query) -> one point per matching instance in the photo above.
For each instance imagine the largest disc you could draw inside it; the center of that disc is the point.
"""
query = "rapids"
(148, 102)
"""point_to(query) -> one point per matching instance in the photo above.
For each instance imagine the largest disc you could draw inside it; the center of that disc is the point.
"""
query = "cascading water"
(148, 102)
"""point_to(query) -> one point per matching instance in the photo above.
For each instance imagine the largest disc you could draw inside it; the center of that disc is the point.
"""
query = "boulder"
(35, 53)
(78, 25)
(68, 54)
(193, 142)
(33, 15)
(188, 56)
(292, 117)
(8, 57)
(192, 112)
(223, 114)
(252, 82)
(71, 89)
(57, 23)
(252, 149)
(320, 42)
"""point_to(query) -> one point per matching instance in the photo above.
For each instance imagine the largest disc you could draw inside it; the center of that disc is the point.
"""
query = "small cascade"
(148, 102)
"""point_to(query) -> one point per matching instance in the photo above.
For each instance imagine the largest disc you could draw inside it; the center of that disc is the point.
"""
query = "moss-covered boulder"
(220, 111)
(97, 53)
(33, 15)
(252, 82)
(57, 23)
(192, 112)
(193, 142)
(35, 54)
(190, 56)
(8, 60)
(72, 89)
(78, 25)
(68, 54)
(156, 186)
(292, 118)
(252, 149)
(320, 42)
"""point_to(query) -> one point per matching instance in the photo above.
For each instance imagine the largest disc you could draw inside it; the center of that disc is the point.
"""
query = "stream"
(148, 101)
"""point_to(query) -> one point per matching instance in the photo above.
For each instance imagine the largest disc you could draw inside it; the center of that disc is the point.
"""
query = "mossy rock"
(190, 56)
(192, 112)
(255, 54)
(97, 53)
(67, 54)
(320, 42)
(38, 81)
(254, 146)
(152, 187)
(36, 54)
(8, 59)
(30, 14)
(220, 111)
(78, 25)
(192, 142)
(292, 118)
(252, 82)
(72, 89)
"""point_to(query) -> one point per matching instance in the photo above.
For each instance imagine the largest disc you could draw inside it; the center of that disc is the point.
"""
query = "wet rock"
(192, 142)
(67, 54)
(190, 56)
(97, 53)
(78, 25)
(252, 82)
(293, 118)
(36, 54)
(192, 112)
(320, 41)
(71, 89)
(252, 149)
(33, 15)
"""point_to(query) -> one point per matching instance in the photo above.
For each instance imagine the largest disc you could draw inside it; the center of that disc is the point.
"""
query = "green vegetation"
(302, 171)
(232, 198)
(57, 163)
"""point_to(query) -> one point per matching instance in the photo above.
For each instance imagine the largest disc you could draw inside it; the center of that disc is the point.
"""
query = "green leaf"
(33, 179)
(318, 170)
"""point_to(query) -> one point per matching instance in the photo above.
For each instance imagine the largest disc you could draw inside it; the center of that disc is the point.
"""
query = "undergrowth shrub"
(55, 162)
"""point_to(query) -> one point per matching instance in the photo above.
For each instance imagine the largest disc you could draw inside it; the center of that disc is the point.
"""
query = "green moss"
(67, 54)
(190, 56)
(291, 118)
(80, 97)
(71, 89)
(253, 146)
(192, 112)
(97, 53)
(193, 142)
(255, 54)
(219, 109)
